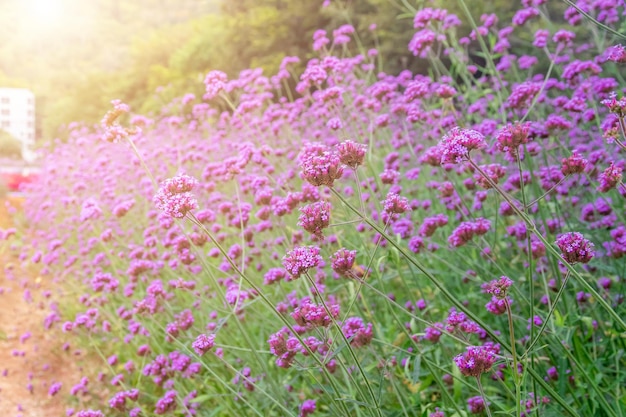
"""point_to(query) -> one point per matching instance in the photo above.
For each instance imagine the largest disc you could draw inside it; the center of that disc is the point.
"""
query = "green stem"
(482, 394)
(545, 322)
(530, 225)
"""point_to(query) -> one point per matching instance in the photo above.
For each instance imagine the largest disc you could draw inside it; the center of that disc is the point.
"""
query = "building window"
(6, 124)
(6, 112)
(5, 100)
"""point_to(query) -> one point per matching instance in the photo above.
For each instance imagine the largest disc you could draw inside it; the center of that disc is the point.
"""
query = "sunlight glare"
(45, 12)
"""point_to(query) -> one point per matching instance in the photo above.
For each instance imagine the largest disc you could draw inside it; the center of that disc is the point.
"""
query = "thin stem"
(545, 322)
(266, 300)
(515, 370)
(440, 286)
(532, 203)
(482, 394)
(533, 229)
(347, 342)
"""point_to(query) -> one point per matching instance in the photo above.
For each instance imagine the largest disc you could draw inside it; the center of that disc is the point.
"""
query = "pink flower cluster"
(310, 315)
(466, 231)
(314, 218)
(575, 248)
(476, 360)
(174, 196)
(300, 259)
(456, 145)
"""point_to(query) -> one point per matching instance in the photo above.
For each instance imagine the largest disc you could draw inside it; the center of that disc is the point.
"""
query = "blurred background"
(75, 56)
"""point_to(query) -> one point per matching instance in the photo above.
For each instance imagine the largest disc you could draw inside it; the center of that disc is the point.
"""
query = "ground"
(38, 359)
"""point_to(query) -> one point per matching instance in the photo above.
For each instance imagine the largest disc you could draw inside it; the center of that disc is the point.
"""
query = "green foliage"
(147, 52)
(10, 147)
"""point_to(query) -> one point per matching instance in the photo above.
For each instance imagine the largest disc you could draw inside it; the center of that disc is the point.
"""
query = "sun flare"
(45, 12)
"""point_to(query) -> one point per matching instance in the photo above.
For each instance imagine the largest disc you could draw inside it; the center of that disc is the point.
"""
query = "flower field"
(362, 244)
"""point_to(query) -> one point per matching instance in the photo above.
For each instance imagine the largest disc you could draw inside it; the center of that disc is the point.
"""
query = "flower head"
(575, 248)
(456, 145)
(498, 287)
(301, 259)
(476, 360)
(351, 153)
(574, 164)
(314, 218)
(203, 343)
(320, 166)
(342, 261)
(610, 177)
(174, 197)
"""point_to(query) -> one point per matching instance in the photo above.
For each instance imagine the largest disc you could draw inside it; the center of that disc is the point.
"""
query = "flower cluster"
(575, 248)
(456, 145)
(476, 360)
(174, 196)
(314, 218)
(321, 166)
(312, 315)
(466, 231)
(300, 259)
(351, 153)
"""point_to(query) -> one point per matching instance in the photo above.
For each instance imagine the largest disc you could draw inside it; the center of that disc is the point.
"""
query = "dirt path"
(31, 358)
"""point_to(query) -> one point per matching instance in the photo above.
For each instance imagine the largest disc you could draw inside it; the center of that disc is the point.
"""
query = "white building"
(17, 116)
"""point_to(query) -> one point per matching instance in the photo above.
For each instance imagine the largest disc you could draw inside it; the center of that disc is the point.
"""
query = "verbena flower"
(575, 248)
(476, 360)
(321, 168)
(307, 408)
(312, 315)
(314, 218)
(610, 178)
(342, 261)
(174, 196)
(214, 82)
(299, 260)
(574, 164)
(203, 343)
(466, 231)
(359, 333)
(351, 153)
(498, 287)
(456, 145)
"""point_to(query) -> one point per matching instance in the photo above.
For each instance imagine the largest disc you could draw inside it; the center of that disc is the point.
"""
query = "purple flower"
(342, 261)
(215, 81)
(314, 218)
(166, 403)
(476, 405)
(54, 388)
(456, 145)
(301, 259)
(357, 332)
(574, 164)
(89, 413)
(203, 343)
(617, 54)
(467, 230)
(351, 153)
(476, 360)
(498, 287)
(320, 166)
(575, 248)
(311, 315)
(395, 204)
(307, 407)
(174, 197)
(610, 177)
